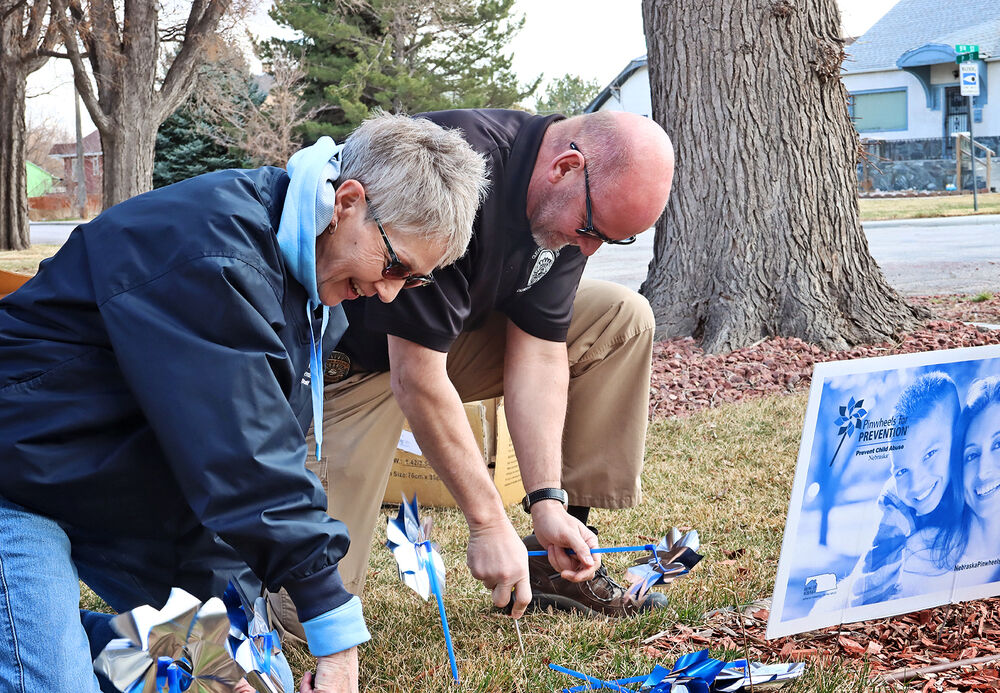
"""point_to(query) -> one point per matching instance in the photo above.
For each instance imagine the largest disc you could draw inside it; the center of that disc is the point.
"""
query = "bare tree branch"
(202, 20)
(83, 86)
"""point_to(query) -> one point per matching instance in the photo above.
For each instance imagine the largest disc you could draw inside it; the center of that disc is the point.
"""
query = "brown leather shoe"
(600, 596)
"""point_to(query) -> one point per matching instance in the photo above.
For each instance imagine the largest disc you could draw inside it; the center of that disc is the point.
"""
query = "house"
(629, 91)
(906, 104)
(61, 202)
(905, 98)
(93, 163)
(39, 181)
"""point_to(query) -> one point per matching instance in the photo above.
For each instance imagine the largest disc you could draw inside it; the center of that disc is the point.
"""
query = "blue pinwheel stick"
(437, 591)
(420, 565)
(609, 549)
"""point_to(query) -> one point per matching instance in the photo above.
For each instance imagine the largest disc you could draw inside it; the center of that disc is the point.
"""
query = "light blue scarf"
(308, 211)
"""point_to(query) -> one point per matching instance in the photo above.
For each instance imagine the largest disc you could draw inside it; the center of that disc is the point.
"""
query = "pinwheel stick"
(609, 549)
(436, 589)
(594, 683)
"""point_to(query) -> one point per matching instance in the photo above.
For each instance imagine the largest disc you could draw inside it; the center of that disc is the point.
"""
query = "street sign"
(966, 51)
(969, 75)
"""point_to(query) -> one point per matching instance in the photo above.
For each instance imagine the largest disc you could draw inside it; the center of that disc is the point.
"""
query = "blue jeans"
(43, 644)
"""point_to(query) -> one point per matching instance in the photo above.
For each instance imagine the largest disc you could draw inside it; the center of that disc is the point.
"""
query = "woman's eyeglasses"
(589, 229)
(396, 269)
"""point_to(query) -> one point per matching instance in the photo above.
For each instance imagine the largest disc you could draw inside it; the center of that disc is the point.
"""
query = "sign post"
(965, 54)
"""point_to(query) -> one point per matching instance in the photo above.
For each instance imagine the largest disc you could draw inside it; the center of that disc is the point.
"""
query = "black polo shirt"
(503, 269)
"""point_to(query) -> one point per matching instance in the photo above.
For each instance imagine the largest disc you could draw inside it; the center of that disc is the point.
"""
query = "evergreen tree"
(568, 95)
(184, 149)
(404, 56)
(188, 143)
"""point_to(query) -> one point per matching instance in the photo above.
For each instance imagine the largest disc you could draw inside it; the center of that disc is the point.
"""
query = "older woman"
(158, 375)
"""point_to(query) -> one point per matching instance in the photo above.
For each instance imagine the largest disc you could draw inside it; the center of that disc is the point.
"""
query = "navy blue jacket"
(152, 399)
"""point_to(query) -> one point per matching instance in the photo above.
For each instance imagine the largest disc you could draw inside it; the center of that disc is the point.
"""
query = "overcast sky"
(603, 42)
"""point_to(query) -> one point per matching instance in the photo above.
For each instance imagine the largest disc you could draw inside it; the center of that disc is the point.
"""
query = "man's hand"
(336, 673)
(557, 531)
(498, 558)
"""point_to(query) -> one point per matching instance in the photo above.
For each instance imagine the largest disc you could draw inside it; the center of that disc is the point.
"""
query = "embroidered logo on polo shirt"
(544, 259)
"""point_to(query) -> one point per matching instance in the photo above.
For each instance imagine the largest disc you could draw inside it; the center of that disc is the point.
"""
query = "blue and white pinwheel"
(181, 647)
(254, 644)
(760, 677)
(675, 555)
(420, 565)
(694, 672)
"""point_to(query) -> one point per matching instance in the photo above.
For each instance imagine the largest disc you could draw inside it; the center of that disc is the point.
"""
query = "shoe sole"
(543, 601)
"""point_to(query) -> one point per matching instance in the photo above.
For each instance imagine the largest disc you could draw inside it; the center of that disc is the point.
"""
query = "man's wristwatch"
(544, 494)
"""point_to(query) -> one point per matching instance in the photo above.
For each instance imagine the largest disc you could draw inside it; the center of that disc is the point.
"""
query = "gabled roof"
(616, 84)
(911, 24)
(91, 146)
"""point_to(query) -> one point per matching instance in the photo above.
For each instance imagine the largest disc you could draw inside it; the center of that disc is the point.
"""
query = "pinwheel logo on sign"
(849, 421)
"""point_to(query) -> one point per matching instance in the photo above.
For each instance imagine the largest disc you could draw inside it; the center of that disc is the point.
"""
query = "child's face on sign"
(981, 462)
(920, 469)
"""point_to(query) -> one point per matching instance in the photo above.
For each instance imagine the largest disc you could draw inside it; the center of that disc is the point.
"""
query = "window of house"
(874, 111)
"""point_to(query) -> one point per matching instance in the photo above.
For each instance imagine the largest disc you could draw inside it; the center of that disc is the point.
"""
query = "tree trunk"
(761, 236)
(14, 229)
(128, 159)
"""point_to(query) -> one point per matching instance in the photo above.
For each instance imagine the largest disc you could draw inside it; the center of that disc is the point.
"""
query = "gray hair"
(608, 153)
(422, 179)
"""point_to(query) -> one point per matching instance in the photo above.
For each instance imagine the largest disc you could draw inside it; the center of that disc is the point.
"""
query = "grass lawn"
(919, 207)
(726, 472)
(26, 261)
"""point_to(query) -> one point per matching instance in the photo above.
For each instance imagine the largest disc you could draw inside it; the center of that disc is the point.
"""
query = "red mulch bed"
(686, 380)
(947, 634)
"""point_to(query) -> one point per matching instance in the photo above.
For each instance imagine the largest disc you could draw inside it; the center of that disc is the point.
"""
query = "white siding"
(633, 97)
(921, 121)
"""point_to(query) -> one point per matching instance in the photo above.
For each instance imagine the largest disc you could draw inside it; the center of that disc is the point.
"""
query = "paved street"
(937, 256)
(51, 232)
(918, 256)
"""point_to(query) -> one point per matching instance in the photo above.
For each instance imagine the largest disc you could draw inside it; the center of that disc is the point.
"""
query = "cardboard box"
(411, 472)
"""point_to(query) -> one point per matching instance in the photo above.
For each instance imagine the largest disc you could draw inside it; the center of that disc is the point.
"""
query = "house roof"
(911, 24)
(616, 84)
(91, 146)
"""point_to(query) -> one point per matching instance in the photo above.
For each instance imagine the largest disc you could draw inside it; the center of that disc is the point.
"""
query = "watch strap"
(544, 494)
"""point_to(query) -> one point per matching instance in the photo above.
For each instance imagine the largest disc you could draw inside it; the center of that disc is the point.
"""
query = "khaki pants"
(610, 344)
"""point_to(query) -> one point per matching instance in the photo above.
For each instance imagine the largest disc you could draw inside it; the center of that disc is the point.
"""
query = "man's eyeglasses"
(396, 269)
(589, 229)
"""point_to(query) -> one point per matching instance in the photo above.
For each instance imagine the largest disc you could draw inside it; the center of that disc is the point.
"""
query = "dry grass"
(920, 207)
(26, 261)
(727, 472)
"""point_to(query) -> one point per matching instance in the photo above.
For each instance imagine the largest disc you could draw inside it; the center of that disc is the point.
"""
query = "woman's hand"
(336, 673)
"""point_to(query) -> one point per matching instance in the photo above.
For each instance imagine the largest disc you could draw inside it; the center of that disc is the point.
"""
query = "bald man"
(513, 317)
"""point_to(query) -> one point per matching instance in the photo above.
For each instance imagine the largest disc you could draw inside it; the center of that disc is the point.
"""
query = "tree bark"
(24, 37)
(14, 229)
(122, 98)
(761, 236)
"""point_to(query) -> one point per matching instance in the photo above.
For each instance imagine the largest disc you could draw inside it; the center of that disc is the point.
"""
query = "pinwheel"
(761, 677)
(420, 565)
(674, 556)
(695, 672)
(254, 644)
(181, 647)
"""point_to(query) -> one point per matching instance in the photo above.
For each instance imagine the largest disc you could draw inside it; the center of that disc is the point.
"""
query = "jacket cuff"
(337, 630)
(317, 594)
